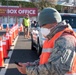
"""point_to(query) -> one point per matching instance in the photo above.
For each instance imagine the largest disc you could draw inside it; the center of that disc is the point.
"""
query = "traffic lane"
(23, 43)
(21, 53)
(23, 56)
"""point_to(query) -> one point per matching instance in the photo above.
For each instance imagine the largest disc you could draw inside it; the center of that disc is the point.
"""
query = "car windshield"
(71, 19)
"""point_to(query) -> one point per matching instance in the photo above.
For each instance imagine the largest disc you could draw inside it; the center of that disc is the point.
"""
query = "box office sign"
(13, 11)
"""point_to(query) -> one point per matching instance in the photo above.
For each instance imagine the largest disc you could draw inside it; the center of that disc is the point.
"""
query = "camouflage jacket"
(61, 58)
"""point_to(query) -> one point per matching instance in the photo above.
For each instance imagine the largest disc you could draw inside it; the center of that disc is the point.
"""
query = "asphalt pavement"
(21, 52)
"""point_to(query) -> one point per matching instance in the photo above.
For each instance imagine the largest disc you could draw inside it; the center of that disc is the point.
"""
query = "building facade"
(68, 6)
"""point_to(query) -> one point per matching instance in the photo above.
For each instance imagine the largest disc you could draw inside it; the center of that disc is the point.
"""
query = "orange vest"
(48, 47)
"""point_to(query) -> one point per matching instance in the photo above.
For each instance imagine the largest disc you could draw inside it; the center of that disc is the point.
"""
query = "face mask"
(45, 31)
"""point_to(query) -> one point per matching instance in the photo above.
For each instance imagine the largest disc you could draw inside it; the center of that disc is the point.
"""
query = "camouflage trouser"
(25, 30)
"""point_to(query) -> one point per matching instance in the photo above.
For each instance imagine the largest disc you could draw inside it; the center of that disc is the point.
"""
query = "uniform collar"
(61, 26)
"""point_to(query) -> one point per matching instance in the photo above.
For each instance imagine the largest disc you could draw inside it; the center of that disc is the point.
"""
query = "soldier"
(58, 55)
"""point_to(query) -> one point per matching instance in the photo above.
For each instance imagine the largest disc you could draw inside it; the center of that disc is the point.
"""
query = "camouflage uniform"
(61, 58)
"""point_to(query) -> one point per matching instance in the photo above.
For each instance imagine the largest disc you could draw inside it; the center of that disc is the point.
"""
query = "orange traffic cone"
(7, 41)
(1, 55)
(10, 39)
(4, 47)
(16, 31)
(21, 28)
(7, 29)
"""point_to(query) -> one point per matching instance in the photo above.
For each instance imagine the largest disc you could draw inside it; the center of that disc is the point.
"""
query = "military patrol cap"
(48, 16)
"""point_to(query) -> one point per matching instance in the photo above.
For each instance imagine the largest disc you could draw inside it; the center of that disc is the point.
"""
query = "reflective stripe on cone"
(4, 46)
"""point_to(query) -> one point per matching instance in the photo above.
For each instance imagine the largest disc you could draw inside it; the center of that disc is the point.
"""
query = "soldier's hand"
(22, 68)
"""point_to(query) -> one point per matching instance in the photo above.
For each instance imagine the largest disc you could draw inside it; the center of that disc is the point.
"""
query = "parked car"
(70, 18)
(36, 37)
(37, 40)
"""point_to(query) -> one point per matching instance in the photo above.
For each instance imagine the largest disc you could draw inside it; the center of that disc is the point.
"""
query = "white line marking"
(3, 70)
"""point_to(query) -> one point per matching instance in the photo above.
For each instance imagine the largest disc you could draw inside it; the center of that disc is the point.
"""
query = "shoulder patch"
(66, 55)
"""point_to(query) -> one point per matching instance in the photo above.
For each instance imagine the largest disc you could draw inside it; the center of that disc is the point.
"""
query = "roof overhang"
(64, 3)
